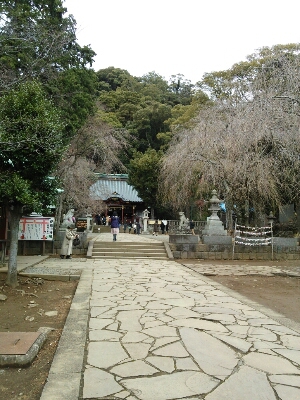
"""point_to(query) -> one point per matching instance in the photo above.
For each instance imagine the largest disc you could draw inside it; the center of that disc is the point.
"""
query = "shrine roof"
(105, 189)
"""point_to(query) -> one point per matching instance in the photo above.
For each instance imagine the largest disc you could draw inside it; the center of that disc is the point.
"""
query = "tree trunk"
(58, 215)
(152, 213)
(14, 218)
(246, 212)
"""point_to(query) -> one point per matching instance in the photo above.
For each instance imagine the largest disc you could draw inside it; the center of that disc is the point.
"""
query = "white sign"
(36, 228)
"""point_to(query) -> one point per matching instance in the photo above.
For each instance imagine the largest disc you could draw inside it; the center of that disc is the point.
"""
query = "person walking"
(114, 225)
(192, 227)
(155, 228)
(66, 248)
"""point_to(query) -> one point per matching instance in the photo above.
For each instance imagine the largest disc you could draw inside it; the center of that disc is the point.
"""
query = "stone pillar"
(88, 222)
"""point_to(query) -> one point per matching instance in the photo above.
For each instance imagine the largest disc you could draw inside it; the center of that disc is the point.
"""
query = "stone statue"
(183, 221)
(68, 219)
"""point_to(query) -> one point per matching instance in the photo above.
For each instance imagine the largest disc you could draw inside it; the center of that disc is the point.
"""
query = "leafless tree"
(249, 152)
(96, 148)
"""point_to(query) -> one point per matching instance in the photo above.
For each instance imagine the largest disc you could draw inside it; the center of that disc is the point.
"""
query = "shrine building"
(118, 195)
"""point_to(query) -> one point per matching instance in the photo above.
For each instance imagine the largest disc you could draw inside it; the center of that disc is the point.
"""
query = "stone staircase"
(155, 250)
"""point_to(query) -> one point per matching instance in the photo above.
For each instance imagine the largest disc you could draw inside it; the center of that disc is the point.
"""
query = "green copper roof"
(115, 186)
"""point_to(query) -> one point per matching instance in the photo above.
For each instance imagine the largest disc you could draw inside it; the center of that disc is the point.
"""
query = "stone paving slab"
(151, 336)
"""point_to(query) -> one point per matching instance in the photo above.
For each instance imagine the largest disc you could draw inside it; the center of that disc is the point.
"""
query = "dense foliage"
(149, 109)
(38, 42)
(42, 69)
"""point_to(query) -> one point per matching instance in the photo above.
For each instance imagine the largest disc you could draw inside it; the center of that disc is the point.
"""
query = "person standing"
(166, 227)
(138, 226)
(98, 219)
(162, 227)
(66, 248)
(115, 225)
(129, 226)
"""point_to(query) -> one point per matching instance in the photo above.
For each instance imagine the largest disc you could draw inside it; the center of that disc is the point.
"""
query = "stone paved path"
(159, 331)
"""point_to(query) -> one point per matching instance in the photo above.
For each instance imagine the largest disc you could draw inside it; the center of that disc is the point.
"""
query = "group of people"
(101, 219)
(135, 226)
(163, 227)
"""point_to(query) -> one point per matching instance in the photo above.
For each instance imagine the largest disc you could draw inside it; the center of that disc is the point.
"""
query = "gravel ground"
(54, 266)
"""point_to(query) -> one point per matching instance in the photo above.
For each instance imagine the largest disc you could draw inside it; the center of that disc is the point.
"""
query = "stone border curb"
(50, 277)
(64, 378)
(168, 250)
(22, 360)
(90, 247)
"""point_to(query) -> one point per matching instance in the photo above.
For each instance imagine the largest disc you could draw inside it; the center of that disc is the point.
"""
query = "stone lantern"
(145, 221)
(271, 218)
(214, 232)
(214, 206)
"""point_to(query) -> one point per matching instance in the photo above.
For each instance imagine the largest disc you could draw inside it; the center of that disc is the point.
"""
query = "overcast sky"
(190, 37)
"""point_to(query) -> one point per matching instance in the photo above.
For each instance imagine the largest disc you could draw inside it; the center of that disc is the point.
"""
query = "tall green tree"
(112, 78)
(37, 41)
(143, 172)
(31, 145)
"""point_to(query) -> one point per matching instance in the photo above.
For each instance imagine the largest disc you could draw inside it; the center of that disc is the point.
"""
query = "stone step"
(117, 245)
(155, 250)
(126, 255)
(132, 251)
(128, 251)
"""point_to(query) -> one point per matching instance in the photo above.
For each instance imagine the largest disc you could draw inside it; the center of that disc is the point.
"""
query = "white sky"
(190, 37)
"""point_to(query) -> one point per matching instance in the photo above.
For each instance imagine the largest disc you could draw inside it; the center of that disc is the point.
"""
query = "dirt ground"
(32, 298)
(281, 294)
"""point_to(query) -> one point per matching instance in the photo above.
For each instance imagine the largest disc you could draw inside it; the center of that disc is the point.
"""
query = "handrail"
(176, 228)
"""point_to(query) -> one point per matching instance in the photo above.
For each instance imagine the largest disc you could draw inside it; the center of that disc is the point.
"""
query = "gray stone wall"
(224, 252)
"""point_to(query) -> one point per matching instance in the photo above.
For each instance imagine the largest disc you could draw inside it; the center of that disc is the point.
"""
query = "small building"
(118, 195)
